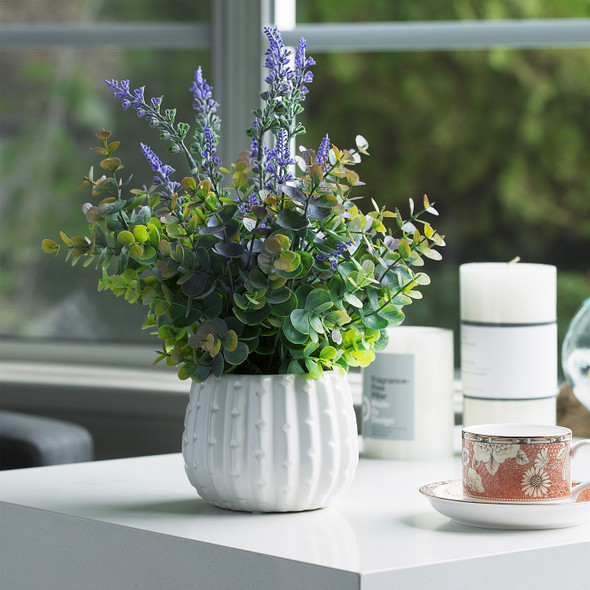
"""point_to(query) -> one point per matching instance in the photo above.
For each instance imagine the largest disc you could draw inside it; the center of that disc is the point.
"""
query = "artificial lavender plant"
(265, 266)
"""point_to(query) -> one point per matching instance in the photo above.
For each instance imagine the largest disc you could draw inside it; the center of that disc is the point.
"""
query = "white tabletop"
(137, 523)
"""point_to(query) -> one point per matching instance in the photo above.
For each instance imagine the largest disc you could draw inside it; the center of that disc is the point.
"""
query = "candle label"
(388, 397)
(509, 361)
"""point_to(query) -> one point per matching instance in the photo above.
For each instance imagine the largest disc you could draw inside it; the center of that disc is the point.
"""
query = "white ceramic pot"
(270, 443)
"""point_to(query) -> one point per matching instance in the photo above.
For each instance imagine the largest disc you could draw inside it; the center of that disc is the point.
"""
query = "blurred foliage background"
(499, 139)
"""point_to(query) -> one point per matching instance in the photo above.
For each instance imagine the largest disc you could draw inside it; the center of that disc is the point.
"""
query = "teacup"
(519, 463)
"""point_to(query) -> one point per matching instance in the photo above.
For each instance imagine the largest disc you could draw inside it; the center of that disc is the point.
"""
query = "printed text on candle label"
(388, 397)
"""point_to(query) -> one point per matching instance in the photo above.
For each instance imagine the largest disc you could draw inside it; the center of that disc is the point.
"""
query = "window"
(490, 121)
(53, 102)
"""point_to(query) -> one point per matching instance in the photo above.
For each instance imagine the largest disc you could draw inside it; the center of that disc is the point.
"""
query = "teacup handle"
(576, 490)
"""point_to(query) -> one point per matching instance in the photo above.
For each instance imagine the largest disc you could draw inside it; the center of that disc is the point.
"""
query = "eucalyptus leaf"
(294, 193)
(196, 284)
(293, 335)
(317, 298)
(238, 355)
(374, 321)
(291, 219)
(300, 320)
(229, 249)
(392, 314)
(313, 368)
(280, 295)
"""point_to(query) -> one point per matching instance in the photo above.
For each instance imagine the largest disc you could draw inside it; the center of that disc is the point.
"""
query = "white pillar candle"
(408, 396)
(508, 342)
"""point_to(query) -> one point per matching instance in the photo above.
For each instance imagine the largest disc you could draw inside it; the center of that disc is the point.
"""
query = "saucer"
(447, 498)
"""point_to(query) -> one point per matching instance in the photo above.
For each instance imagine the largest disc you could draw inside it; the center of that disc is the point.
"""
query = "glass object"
(576, 354)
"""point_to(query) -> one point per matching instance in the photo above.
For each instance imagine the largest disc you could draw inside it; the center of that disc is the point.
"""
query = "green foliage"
(501, 135)
(301, 282)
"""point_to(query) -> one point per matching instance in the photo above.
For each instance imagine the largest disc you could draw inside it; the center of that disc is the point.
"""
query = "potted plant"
(264, 281)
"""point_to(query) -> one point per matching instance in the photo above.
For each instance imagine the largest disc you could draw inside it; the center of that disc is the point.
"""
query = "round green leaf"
(195, 285)
(230, 341)
(140, 233)
(93, 215)
(295, 368)
(111, 164)
(325, 201)
(353, 300)
(403, 249)
(238, 355)
(276, 244)
(50, 247)
(287, 261)
(186, 371)
(229, 249)
(374, 321)
(126, 238)
(300, 320)
(317, 298)
(285, 308)
(313, 368)
(280, 295)
(135, 251)
(316, 324)
(293, 335)
(392, 314)
(361, 358)
(161, 307)
(327, 353)
(291, 219)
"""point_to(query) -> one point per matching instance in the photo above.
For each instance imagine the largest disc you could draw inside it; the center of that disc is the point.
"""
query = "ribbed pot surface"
(273, 443)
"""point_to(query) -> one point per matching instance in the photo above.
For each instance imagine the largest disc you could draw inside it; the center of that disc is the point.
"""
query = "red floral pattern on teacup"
(516, 471)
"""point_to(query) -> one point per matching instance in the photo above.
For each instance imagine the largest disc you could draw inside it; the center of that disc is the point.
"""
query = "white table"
(138, 524)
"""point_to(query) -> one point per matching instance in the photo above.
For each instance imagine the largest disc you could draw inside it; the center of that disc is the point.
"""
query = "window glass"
(53, 102)
(325, 11)
(76, 11)
(499, 140)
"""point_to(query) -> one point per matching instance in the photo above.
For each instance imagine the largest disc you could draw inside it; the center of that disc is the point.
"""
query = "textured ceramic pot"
(274, 443)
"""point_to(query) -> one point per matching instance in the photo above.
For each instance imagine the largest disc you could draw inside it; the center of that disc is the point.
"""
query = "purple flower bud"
(277, 161)
(322, 157)
(210, 161)
(164, 171)
(203, 102)
(277, 62)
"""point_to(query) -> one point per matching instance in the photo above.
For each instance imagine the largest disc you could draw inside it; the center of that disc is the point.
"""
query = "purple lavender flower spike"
(203, 101)
(322, 157)
(151, 112)
(277, 62)
(277, 161)
(254, 145)
(164, 171)
(121, 91)
(151, 157)
(208, 123)
(210, 161)
(135, 100)
(302, 74)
